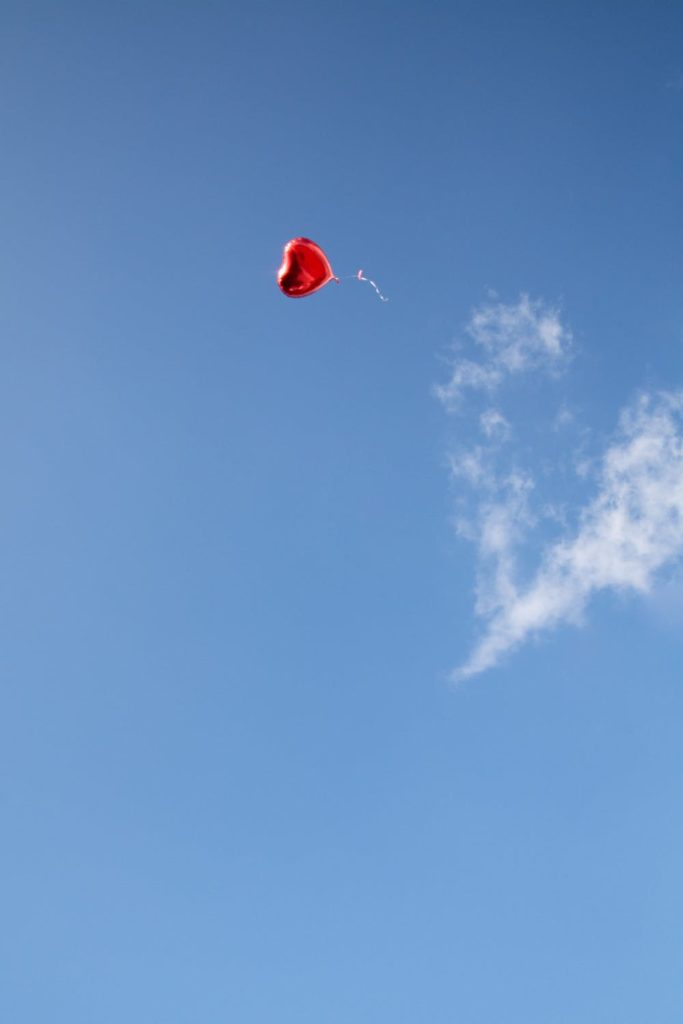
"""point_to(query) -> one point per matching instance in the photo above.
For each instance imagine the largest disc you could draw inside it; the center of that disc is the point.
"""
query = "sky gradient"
(254, 765)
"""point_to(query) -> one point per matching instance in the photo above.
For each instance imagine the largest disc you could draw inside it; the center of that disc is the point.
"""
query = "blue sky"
(340, 664)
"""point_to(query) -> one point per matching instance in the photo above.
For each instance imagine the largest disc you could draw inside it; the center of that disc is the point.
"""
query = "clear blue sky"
(236, 781)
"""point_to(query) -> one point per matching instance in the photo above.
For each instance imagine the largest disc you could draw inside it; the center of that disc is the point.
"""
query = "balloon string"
(360, 277)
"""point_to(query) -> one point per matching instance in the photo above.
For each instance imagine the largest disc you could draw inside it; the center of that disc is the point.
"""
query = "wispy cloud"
(631, 529)
(511, 339)
(520, 495)
(494, 425)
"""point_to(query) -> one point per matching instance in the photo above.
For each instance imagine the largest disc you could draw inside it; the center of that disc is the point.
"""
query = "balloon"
(305, 268)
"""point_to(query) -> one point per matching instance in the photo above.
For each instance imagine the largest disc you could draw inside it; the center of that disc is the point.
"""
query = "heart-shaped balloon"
(305, 268)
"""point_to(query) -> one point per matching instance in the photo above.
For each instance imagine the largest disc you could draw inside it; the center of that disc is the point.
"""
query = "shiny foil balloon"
(305, 268)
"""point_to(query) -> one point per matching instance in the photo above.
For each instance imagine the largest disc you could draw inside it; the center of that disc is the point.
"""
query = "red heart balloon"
(305, 268)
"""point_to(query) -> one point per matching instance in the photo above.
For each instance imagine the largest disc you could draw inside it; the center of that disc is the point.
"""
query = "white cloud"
(466, 375)
(630, 530)
(513, 339)
(494, 425)
(473, 465)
